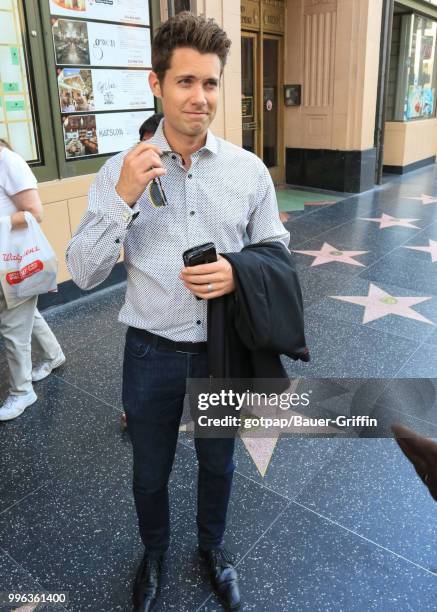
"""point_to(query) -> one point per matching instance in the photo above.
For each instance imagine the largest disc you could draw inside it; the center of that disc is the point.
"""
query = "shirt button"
(198, 322)
(190, 176)
(192, 212)
(173, 156)
(126, 216)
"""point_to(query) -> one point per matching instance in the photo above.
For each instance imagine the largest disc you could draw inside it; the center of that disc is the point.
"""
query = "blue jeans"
(154, 383)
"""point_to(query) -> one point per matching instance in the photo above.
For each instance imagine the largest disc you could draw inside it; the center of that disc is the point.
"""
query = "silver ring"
(209, 288)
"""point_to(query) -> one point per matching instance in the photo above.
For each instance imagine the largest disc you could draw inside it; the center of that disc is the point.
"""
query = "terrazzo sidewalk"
(317, 524)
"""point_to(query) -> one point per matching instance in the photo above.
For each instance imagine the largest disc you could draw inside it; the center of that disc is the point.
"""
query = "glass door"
(272, 87)
(249, 98)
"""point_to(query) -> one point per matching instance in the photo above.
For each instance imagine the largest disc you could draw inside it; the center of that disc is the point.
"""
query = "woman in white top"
(20, 324)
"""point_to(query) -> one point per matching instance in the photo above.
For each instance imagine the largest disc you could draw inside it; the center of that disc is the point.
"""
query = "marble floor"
(324, 524)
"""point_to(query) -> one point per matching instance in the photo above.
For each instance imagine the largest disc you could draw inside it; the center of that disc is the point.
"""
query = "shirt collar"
(160, 141)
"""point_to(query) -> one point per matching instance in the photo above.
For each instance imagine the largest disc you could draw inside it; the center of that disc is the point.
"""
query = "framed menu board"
(102, 51)
(128, 11)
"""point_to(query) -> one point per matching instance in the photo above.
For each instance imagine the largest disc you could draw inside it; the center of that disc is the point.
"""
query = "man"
(217, 192)
(149, 126)
(146, 131)
(422, 452)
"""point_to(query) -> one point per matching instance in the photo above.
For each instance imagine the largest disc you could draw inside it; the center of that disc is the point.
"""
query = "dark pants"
(154, 382)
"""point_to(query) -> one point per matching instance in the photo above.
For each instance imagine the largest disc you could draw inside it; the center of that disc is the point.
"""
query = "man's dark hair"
(150, 125)
(187, 30)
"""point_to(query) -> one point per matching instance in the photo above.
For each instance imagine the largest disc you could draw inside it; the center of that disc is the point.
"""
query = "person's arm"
(264, 222)
(20, 185)
(26, 201)
(422, 452)
(95, 247)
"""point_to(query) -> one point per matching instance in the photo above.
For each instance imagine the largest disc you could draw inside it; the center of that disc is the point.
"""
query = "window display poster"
(86, 135)
(84, 89)
(16, 119)
(420, 102)
(98, 44)
(126, 11)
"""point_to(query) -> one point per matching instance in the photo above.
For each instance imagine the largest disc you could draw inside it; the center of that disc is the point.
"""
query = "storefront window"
(416, 78)
(17, 117)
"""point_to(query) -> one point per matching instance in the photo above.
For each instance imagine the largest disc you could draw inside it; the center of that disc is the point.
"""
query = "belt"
(171, 345)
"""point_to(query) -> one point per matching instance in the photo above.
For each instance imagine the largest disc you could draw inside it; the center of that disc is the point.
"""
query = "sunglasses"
(156, 193)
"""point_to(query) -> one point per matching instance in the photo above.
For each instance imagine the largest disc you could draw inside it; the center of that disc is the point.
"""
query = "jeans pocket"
(137, 347)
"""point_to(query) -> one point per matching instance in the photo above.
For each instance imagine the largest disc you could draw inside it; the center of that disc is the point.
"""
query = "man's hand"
(422, 452)
(140, 166)
(218, 276)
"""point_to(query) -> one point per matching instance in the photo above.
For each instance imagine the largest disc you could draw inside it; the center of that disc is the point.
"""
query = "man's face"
(189, 91)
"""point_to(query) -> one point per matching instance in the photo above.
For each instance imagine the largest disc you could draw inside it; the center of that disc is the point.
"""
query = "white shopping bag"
(28, 264)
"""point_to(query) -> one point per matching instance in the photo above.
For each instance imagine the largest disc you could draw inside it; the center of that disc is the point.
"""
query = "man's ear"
(155, 85)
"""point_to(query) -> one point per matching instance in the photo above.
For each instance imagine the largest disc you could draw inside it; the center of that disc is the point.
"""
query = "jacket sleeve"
(264, 222)
(95, 247)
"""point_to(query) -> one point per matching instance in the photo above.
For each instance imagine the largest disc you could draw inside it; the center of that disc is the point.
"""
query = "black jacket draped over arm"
(251, 327)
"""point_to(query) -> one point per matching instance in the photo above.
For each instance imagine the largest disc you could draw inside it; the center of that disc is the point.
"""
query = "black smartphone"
(201, 254)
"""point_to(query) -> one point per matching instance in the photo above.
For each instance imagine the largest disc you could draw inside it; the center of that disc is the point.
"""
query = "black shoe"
(223, 576)
(147, 583)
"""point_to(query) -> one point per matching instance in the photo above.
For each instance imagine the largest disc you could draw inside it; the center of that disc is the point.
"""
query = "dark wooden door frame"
(384, 68)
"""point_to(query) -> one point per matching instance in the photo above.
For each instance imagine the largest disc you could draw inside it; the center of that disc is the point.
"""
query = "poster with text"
(86, 135)
(84, 89)
(126, 11)
(98, 44)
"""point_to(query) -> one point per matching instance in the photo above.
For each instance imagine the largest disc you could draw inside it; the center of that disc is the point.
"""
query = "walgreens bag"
(28, 264)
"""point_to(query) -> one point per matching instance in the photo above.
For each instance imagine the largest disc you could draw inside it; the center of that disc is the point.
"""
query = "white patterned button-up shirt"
(226, 197)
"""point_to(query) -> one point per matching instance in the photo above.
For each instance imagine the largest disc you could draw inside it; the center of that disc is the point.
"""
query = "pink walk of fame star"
(425, 199)
(379, 303)
(432, 248)
(389, 221)
(329, 253)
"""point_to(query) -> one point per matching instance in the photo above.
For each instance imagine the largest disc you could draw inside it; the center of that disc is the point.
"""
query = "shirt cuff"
(119, 211)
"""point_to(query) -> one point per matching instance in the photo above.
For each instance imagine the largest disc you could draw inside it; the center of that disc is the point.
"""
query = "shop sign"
(250, 15)
(247, 106)
(127, 11)
(84, 89)
(101, 67)
(273, 19)
(100, 134)
(97, 44)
